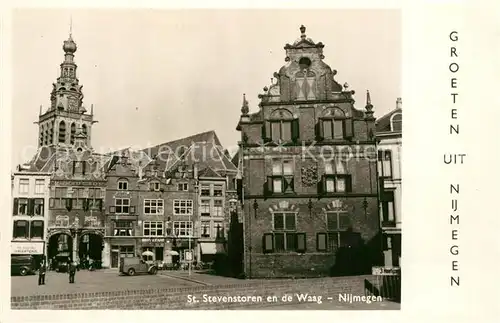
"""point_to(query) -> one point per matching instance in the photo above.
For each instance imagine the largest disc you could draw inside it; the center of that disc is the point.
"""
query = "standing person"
(41, 273)
(72, 272)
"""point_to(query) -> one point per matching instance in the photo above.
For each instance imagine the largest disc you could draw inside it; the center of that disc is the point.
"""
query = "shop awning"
(212, 248)
(63, 254)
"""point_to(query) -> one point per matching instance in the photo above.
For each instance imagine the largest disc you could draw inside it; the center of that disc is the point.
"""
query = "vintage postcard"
(244, 158)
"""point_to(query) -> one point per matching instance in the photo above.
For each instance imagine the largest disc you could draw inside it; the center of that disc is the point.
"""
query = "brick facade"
(309, 188)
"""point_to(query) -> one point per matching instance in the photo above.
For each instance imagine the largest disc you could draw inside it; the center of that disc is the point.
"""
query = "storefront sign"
(153, 240)
(27, 248)
(384, 271)
(188, 256)
(80, 183)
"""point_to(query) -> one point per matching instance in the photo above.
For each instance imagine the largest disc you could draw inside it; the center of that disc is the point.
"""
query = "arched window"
(51, 132)
(282, 126)
(42, 139)
(334, 124)
(396, 122)
(306, 85)
(62, 132)
(73, 131)
(122, 184)
(46, 136)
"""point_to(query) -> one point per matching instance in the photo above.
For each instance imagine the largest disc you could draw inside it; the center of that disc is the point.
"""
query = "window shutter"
(266, 131)
(83, 167)
(31, 207)
(295, 130)
(348, 183)
(321, 184)
(348, 128)
(267, 242)
(69, 204)
(74, 166)
(132, 209)
(321, 241)
(51, 203)
(319, 130)
(85, 204)
(112, 209)
(301, 242)
(100, 204)
(16, 206)
(268, 186)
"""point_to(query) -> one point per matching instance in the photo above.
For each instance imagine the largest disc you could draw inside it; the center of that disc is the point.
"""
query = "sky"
(158, 75)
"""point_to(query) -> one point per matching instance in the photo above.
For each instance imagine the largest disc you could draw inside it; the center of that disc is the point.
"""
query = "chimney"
(399, 103)
(195, 171)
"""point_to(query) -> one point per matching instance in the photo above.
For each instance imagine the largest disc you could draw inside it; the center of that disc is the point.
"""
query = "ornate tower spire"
(66, 121)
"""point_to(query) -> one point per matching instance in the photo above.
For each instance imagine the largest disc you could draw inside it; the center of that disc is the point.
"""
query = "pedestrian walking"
(72, 272)
(41, 273)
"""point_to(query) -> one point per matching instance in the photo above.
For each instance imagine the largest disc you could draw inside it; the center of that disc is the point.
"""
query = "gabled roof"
(383, 124)
(209, 173)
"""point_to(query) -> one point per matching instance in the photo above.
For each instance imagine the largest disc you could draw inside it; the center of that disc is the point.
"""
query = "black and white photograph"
(206, 153)
(242, 159)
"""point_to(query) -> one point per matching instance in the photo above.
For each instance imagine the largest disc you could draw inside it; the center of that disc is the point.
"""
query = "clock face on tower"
(72, 103)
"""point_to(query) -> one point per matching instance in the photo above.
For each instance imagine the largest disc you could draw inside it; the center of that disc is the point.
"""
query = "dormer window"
(396, 122)
(154, 186)
(122, 185)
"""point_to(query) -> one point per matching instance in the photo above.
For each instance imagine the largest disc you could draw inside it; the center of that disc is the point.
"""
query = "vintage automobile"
(22, 265)
(135, 265)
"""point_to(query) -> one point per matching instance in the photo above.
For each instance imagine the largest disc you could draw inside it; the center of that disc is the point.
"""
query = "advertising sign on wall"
(27, 247)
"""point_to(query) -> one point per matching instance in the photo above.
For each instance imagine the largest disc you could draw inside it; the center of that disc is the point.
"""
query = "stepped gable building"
(309, 173)
(389, 135)
(170, 201)
(75, 223)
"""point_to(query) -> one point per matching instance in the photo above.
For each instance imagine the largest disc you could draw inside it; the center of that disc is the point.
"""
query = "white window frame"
(122, 205)
(183, 187)
(186, 207)
(24, 185)
(216, 208)
(203, 207)
(159, 225)
(392, 121)
(185, 226)
(214, 228)
(122, 181)
(205, 224)
(158, 207)
(39, 186)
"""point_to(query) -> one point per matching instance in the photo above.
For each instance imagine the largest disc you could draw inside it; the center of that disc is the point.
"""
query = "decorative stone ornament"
(309, 175)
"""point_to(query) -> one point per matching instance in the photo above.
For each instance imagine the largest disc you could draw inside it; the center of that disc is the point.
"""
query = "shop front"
(208, 250)
(36, 249)
(156, 249)
(122, 248)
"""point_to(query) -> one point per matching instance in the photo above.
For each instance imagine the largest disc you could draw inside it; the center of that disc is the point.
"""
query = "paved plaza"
(91, 281)
(110, 280)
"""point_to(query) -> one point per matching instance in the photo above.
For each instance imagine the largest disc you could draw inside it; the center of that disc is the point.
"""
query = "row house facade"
(169, 202)
(389, 135)
(30, 202)
(309, 186)
(75, 218)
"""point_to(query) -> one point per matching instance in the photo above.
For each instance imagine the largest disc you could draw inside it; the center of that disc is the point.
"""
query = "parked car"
(22, 265)
(135, 265)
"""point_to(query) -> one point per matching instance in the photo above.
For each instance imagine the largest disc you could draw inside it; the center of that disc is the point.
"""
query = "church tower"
(66, 118)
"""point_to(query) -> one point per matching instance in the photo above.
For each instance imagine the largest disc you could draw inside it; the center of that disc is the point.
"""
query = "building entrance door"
(114, 259)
